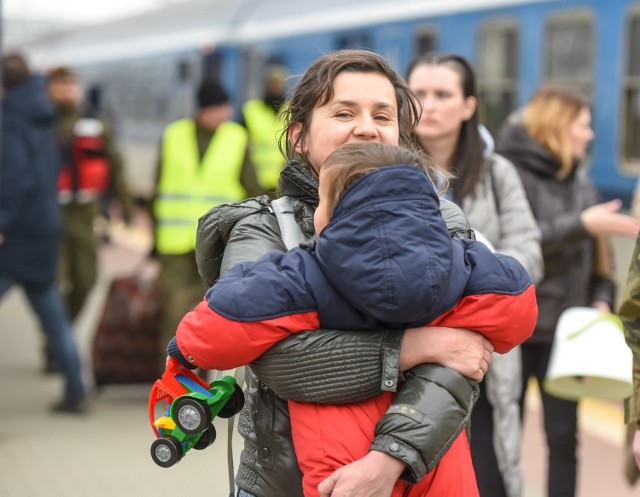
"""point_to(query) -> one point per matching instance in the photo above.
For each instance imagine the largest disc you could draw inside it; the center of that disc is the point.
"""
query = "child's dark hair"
(350, 162)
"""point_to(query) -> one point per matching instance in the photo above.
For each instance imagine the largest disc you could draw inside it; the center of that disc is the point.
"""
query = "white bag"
(590, 357)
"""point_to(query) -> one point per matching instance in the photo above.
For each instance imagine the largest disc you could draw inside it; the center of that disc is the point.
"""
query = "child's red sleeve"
(506, 320)
(212, 341)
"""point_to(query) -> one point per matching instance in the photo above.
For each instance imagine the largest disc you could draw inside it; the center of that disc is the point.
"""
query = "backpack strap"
(291, 233)
(291, 236)
(239, 375)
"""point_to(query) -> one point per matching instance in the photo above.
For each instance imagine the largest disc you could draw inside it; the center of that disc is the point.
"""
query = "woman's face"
(363, 109)
(444, 107)
(581, 134)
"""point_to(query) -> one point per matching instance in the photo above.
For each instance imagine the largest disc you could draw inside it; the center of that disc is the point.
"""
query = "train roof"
(204, 24)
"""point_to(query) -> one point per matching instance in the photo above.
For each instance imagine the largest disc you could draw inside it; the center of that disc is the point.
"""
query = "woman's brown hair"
(352, 161)
(548, 117)
(315, 89)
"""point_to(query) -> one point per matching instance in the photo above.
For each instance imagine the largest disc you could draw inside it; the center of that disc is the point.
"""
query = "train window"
(212, 66)
(569, 51)
(426, 40)
(497, 72)
(184, 71)
(631, 102)
(354, 40)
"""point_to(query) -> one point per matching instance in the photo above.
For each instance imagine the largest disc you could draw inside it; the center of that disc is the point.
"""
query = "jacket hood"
(520, 148)
(387, 223)
(29, 102)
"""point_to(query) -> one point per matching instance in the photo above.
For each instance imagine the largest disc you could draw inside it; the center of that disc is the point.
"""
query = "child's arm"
(251, 308)
(210, 340)
(499, 301)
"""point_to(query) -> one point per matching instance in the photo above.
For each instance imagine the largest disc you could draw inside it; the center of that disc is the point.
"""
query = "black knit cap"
(211, 93)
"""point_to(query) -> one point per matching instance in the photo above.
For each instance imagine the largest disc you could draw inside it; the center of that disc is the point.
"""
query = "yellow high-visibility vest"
(264, 128)
(188, 188)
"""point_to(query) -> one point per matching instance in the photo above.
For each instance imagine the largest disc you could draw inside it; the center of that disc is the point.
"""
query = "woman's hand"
(372, 476)
(601, 306)
(604, 219)
(464, 350)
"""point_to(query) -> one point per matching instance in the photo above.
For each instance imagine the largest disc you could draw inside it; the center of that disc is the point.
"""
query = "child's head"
(350, 162)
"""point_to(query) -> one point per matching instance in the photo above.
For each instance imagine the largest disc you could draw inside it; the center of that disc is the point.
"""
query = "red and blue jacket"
(385, 260)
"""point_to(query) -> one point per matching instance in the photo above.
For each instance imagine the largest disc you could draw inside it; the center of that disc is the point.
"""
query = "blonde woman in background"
(547, 143)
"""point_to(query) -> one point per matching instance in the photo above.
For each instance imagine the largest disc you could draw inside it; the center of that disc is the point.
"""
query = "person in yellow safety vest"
(203, 162)
(261, 117)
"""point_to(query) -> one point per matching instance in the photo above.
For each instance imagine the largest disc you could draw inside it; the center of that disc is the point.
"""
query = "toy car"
(191, 405)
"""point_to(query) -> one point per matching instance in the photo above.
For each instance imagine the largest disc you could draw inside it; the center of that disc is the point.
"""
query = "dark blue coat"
(29, 214)
(385, 259)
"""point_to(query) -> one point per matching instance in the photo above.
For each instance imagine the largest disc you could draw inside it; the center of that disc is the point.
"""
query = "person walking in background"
(261, 116)
(203, 162)
(547, 142)
(490, 192)
(30, 224)
(347, 96)
(629, 313)
(91, 163)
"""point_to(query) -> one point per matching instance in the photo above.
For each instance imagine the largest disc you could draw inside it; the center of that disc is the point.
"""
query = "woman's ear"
(294, 136)
(470, 106)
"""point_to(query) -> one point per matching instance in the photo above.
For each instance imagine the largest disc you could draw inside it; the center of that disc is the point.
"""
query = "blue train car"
(149, 65)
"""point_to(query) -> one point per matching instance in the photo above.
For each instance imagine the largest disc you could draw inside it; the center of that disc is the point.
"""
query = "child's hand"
(173, 364)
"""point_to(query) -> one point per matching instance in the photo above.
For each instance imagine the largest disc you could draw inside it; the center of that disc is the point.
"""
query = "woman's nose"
(427, 102)
(366, 127)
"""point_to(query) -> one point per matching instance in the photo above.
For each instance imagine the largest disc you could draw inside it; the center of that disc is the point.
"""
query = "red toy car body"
(191, 405)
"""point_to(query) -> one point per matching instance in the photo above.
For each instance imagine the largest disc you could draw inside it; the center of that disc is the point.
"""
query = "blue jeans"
(46, 302)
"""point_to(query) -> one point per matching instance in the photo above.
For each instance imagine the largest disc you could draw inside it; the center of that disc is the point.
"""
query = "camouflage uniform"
(79, 257)
(630, 314)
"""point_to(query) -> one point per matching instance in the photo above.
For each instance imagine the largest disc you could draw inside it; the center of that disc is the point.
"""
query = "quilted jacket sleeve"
(427, 415)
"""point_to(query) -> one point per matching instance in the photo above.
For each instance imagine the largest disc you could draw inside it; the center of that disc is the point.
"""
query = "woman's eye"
(343, 114)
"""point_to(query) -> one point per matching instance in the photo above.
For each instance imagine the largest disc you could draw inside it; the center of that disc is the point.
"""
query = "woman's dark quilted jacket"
(323, 366)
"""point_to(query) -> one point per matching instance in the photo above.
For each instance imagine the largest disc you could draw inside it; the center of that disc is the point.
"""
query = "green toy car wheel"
(234, 404)
(192, 415)
(166, 452)
(207, 438)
